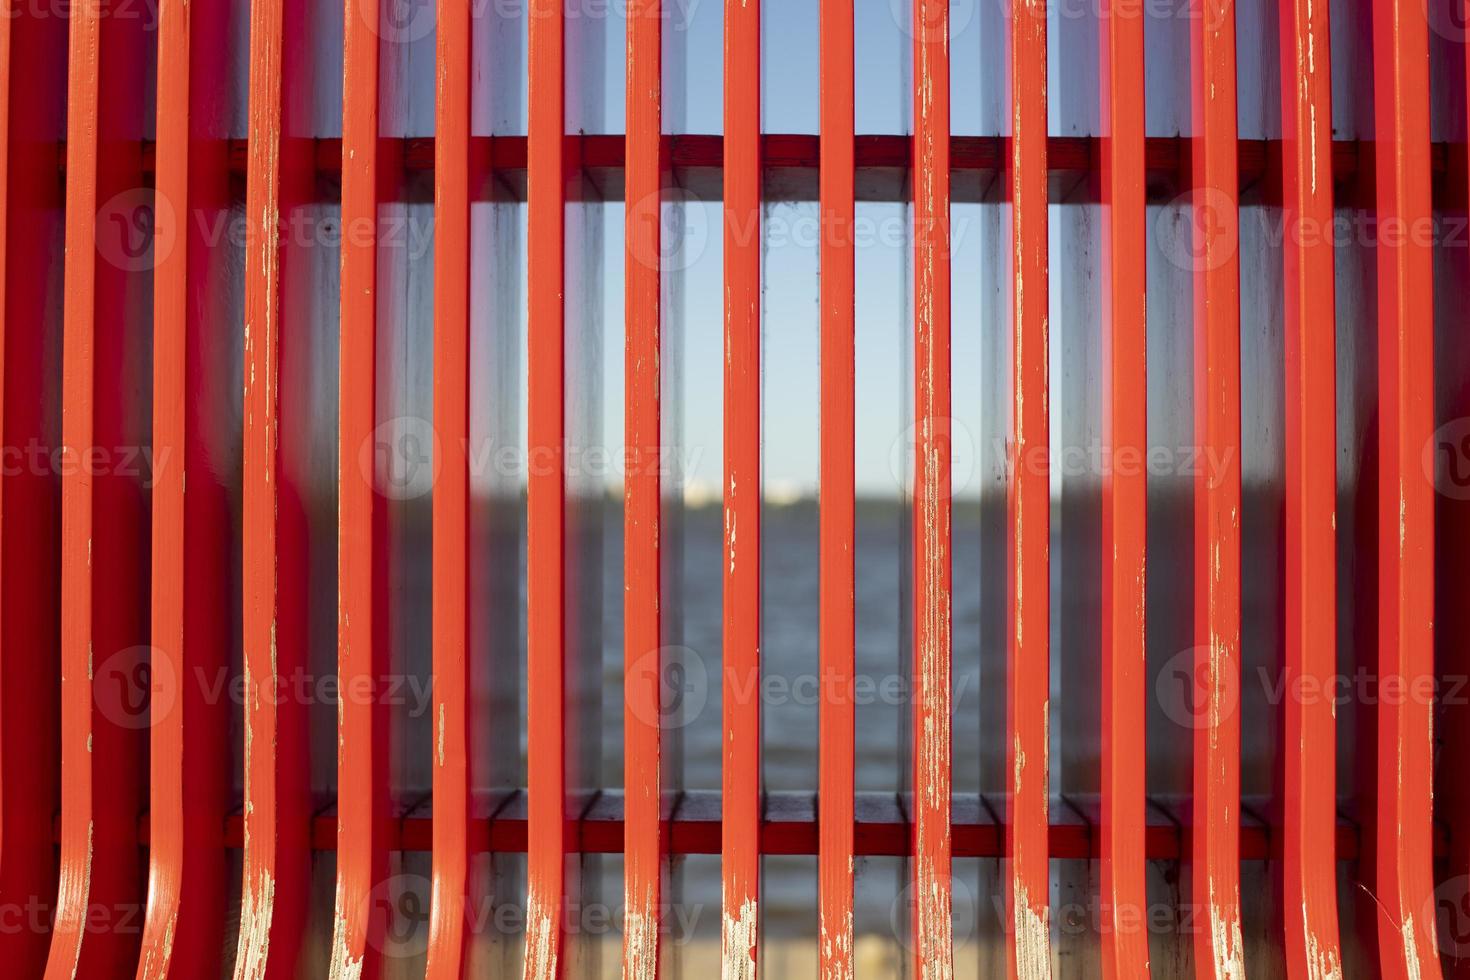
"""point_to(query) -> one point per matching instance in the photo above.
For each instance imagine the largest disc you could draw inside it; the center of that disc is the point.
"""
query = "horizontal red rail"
(800, 151)
(789, 826)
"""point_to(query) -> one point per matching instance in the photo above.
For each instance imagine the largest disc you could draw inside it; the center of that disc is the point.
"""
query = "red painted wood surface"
(273, 902)
(932, 885)
(35, 55)
(643, 867)
(362, 745)
(1028, 499)
(103, 517)
(450, 871)
(546, 715)
(1124, 810)
(836, 752)
(1309, 857)
(184, 929)
(1403, 829)
(741, 775)
(1214, 892)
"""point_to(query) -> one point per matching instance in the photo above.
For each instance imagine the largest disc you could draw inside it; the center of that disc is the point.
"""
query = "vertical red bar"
(1029, 502)
(1403, 826)
(933, 577)
(33, 68)
(362, 759)
(183, 931)
(1309, 867)
(277, 805)
(450, 519)
(642, 636)
(1215, 851)
(78, 805)
(740, 833)
(546, 717)
(103, 538)
(836, 510)
(1124, 494)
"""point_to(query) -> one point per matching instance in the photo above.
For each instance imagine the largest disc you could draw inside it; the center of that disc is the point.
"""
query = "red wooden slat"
(183, 931)
(932, 884)
(1215, 882)
(546, 715)
(277, 806)
(103, 537)
(836, 513)
(740, 867)
(451, 520)
(1029, 502)
(643, 867)
(362, 757)
(1124, 812)
(1309, 868)
(1403, 829)
(34, 62)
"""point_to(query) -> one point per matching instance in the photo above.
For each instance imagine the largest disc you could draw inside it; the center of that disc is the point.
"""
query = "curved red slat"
(451, 778)
(546, 715)
(740, 867)
(184, 927)
(1124, 814)
(932, 885)
(103, 539)
(273, 903)
(1215, 851)
(362, 750)
(33, 69)
(643, 867)
(1309, 865)
(1029, 503)
(1403, 828)
(836, 513)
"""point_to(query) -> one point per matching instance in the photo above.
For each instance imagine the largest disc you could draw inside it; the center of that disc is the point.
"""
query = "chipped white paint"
(1322, 961)
(1225, 939)
(1411, 949)
(641, 941)
(1032, 932)
(156, 957)
(344, 966)
(738, 935)
(837, 949)
(256, 906)
(541, 942)
(1020, 764)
